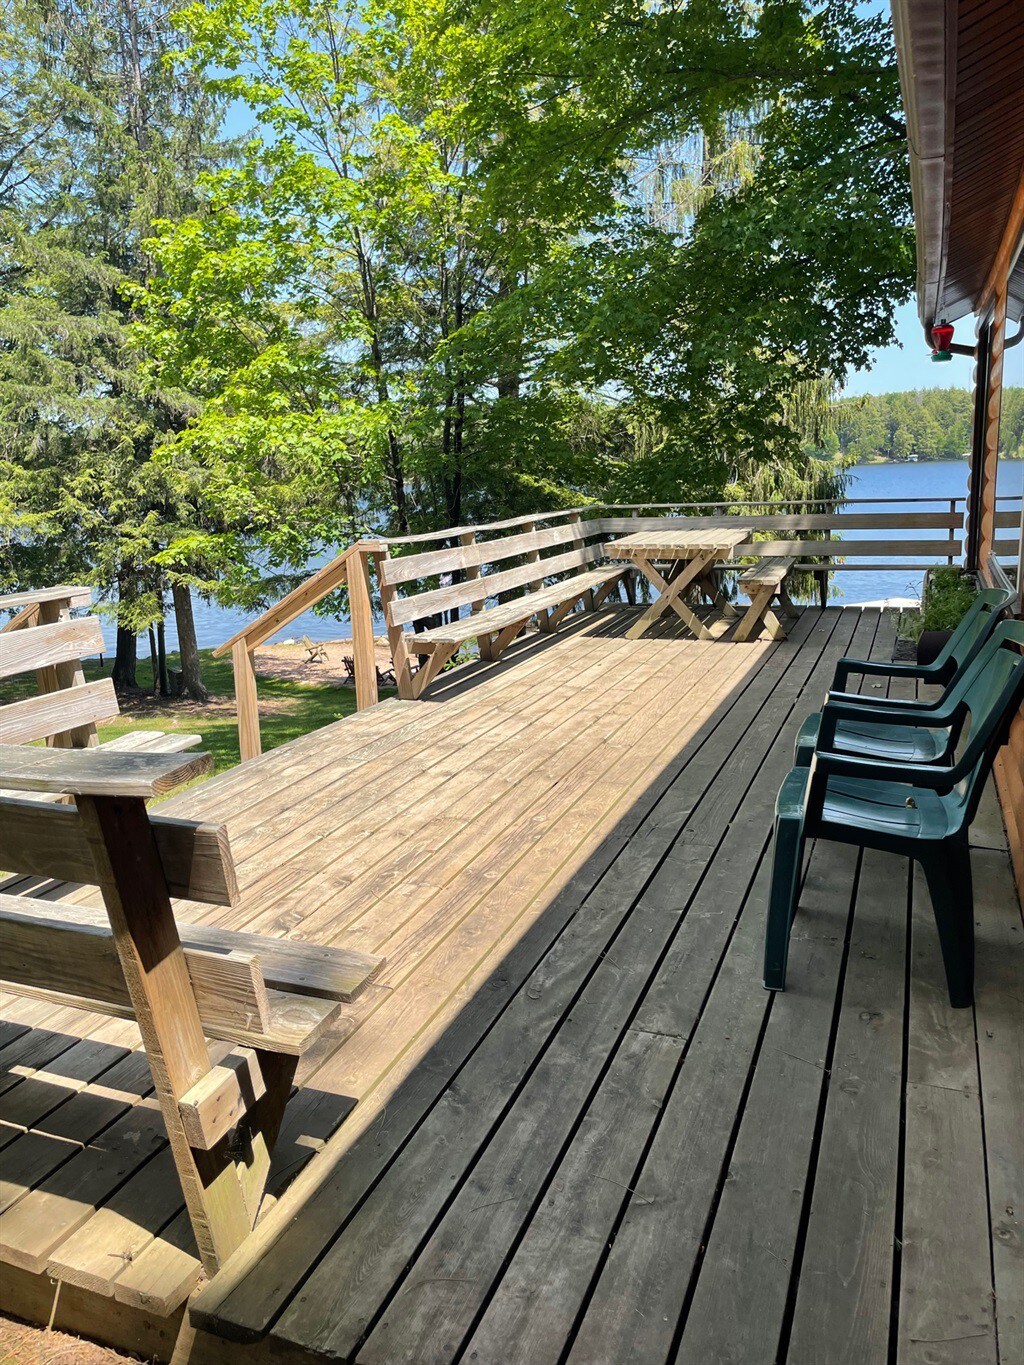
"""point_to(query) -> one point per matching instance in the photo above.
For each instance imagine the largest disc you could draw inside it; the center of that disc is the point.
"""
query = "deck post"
(576, 522)
(361, 615)
(246, 701)
(397, 637)
(58, 676)
(472, 572)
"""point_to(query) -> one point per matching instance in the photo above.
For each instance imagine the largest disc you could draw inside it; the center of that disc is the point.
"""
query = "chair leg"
(787, 856)
(948, 873)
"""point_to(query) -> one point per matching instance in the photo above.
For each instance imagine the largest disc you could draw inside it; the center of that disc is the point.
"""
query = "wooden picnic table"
(701, 550)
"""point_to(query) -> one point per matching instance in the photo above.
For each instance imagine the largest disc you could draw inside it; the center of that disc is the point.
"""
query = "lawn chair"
(920, 811)
(317, 653)
(350, 667)
(912, 733)
(980, 620)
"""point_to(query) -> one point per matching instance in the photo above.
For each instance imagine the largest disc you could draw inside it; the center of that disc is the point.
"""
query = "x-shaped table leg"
(671, 595)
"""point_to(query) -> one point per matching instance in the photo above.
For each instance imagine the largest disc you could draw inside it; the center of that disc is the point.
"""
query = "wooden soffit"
(962, 75)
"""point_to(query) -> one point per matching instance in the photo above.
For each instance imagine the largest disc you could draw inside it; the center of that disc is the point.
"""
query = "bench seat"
(496, 619)
(769, 572)
(763, 582)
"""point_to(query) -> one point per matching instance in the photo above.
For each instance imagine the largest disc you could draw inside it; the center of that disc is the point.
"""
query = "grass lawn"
(287, 708)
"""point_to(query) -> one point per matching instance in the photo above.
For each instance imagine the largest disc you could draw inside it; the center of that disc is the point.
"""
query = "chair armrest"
(908, 715)
(97, 772)
(829, 764)
(879, 668)
(887, 704)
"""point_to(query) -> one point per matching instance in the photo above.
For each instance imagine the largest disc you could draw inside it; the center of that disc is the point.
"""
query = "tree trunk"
(161, 651)
(152, 660)
(192, 684)
(125, 658)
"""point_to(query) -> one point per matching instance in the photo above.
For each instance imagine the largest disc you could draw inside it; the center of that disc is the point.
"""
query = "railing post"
(361, 615)
(246, 701)
(949, 533)
(472, 572)
(56, 677)
(576, 522)
(397, 637)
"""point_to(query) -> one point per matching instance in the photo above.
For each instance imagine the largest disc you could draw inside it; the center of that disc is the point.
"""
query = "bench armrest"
(97, 772)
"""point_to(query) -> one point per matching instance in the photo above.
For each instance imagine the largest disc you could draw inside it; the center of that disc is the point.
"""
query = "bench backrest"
(502, 564)
(43, 638)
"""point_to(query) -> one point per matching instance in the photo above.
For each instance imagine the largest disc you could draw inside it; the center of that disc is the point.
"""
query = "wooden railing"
(350, 568)
(803, 529)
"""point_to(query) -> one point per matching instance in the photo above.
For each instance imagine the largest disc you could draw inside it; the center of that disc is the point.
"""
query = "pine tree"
(100, 133)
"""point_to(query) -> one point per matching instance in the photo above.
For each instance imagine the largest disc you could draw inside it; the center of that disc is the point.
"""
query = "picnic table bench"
(224, 1016)
(763, 583)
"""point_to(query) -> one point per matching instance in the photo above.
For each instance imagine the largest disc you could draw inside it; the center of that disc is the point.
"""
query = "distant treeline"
(929, 424)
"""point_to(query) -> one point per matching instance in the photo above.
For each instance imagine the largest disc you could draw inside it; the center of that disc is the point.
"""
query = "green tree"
(100, 133)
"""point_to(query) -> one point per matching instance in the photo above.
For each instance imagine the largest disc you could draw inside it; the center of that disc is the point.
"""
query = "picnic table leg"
(670, 596)
(786, 602)
(756, 613)
(716, 596)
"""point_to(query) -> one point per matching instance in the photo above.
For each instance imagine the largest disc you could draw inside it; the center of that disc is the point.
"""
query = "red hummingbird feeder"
(942, 337)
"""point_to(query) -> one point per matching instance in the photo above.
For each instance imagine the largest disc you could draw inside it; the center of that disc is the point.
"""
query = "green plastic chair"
(920, 811)
(980, 620)
(915, 733)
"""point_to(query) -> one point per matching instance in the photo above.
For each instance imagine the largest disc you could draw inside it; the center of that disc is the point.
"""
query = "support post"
(397, 637)
(56, 677)
(361, 614)
(246, 701)
(131, 878)
(472, 572)
(993, 408)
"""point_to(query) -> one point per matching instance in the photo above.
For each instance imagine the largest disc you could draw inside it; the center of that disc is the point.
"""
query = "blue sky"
(909, 366)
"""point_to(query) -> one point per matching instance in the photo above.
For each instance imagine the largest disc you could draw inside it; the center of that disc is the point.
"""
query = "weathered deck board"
(583, 1131)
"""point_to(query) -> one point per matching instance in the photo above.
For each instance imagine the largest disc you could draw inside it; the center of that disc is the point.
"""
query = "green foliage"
(947, 598)
(931, 424)
(100, 132)
(474, 259)
(438, 285)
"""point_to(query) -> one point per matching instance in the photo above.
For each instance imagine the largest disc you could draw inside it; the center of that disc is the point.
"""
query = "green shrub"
(949, 594)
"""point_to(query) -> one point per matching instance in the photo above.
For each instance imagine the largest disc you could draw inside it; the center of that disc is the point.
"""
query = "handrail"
(351, 567)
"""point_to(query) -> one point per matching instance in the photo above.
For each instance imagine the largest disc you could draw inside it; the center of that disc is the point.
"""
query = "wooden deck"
(583, 1132)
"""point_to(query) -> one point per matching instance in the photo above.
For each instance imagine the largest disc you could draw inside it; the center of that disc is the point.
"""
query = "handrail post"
(952, 513)
(361, 615)
(246, 701)
(472, 572)
(400, 652)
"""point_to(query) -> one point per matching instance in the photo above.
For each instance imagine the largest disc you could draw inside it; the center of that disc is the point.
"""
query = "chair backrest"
(43, 638)
(977, 625)
(993, 692)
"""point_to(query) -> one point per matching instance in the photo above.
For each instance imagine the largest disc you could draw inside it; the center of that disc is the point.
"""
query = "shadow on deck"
(583, 1132)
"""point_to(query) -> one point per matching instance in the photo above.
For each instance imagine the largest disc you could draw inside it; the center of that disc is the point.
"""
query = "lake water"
(938, 481)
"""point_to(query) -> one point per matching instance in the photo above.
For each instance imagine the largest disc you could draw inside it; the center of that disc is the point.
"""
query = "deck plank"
(946, 1293)
(727, 790)
(582, 1131)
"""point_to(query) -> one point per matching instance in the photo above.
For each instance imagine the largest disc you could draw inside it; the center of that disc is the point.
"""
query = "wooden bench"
(763, 583)
(580, 573)
(267, 999)
(45, 639)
